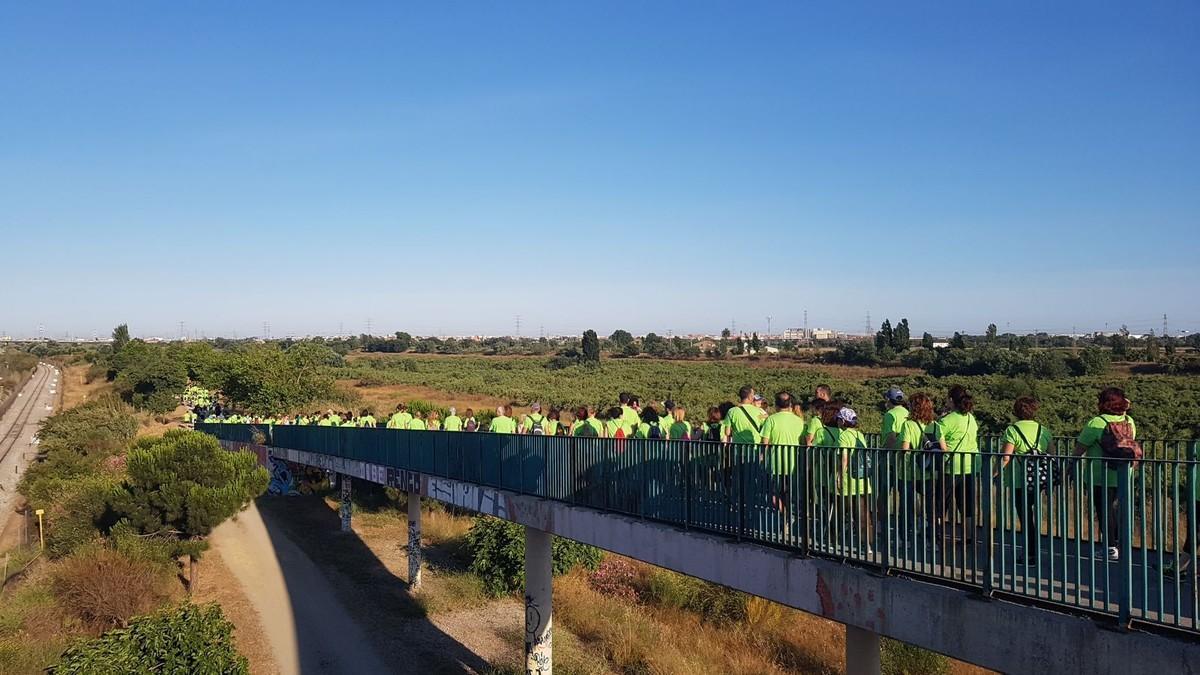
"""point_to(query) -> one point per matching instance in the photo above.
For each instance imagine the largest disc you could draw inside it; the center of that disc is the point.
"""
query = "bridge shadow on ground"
(380, 602)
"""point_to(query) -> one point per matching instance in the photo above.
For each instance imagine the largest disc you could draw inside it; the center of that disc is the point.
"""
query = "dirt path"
(309, 628)
(328, 603)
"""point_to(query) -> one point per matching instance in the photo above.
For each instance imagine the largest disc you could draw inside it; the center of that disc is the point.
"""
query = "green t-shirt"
(643, 431)
(1025, 436)
(784, 431)
(591, 422)
(630, 418)
(416, 424)
(528, 422)
(503, 425)
(915, 463)
(665, 422)
(550, 428)
(893, 420)
(828, 469)
(680, 431)
(961, 435)
(452, 423)
(399, 420)
(813, 427)
(325, 422)
(366, 421)
(611, 427)
(1102, 476)
(745, 422)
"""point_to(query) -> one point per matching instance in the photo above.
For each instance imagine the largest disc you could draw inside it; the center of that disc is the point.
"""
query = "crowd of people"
(938, 475)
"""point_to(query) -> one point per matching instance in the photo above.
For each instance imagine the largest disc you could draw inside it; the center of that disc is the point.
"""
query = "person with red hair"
(1114, 410)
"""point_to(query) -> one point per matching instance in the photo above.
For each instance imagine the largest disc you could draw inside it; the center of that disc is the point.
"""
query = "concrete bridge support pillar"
(414, 540)
(538, 606)
(862, 651)
(345, 507)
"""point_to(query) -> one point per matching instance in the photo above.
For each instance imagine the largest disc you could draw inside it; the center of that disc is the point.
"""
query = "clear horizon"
(442, 170)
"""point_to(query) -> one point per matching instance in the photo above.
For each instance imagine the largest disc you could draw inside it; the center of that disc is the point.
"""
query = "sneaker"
(1114, 554)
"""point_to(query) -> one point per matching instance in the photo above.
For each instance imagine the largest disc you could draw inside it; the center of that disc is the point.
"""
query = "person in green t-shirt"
(416, 423)
(630, 417)
(400, 418)
(814, 427)
(1103, 479)
(553, 426)
(667, 418)
(680, 429)
(613, 425)
(744, 421)
(650, 426)
(366, 419)
(585, 424)
(782, 436)
(893, 418)
(851, 468)
(957, 433)
(452, 422)
(1025, 437)
(919, 451)
(503, 423)
(534, 422)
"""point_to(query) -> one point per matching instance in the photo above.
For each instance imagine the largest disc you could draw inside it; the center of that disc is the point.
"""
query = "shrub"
(615, 578)
(184, 640)
(497, 550)
(106, 588)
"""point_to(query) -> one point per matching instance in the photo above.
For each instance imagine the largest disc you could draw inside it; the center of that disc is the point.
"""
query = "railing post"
(886, 554)
(989, 539)
(741, 498)
(802, 518)
(1125, 509)
(687, 483)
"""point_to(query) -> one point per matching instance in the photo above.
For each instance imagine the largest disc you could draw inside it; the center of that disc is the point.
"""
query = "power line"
(518, 325)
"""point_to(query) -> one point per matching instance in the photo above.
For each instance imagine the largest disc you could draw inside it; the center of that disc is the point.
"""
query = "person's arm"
(1008, 452)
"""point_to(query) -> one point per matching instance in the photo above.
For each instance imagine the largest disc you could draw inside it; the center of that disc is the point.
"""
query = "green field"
(1165, 406)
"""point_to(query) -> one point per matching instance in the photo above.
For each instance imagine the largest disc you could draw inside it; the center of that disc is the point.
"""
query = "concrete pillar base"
(414, 540)
(862, 651)
(538, 603)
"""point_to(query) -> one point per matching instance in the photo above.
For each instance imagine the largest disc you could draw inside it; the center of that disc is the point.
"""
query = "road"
(18, 427)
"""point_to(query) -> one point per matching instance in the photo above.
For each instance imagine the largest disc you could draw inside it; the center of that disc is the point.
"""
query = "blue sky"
(649, 166)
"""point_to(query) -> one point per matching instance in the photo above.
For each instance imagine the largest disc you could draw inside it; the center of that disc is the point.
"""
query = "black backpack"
(655, 431)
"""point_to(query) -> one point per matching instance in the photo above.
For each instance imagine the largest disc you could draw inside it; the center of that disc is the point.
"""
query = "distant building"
(823, 334)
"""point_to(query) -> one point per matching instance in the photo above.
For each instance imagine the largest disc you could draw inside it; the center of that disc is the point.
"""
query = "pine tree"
(885, 335)
(590, 347)
(901, 336)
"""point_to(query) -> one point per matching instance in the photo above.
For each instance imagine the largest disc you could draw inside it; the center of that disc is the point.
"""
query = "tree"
(183, 484)
(1119, 343)
(726, 334)
(901, 336)
(1152, 347)
(620, 339)
(590, 348)
(958, 341)
(739, 346)
(927, 341)
(1091, 361)
(755, 343)
(120, 337)
(885, 335)
(654, 345)
(991, 333)
(150, 378)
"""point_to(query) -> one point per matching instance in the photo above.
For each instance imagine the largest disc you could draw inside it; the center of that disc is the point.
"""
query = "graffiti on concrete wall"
(468, 496)
(346, 505)
(283, 481)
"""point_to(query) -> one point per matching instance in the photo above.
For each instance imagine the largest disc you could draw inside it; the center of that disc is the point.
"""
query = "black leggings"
(957, 494)
(1104, 500)
(1025, 503)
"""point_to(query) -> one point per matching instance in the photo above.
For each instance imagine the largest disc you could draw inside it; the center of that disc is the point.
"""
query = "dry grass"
(75, 387)
(104, 588)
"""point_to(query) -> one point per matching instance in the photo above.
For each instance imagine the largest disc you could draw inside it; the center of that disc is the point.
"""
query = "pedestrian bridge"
(786, 524)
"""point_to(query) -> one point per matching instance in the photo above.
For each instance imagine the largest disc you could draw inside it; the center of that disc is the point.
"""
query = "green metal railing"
(1037, 528)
